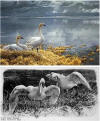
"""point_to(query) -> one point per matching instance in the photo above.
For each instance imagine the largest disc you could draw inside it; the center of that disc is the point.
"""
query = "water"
(68, 23)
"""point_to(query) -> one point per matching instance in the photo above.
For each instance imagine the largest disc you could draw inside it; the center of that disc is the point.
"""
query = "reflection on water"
(68, 23)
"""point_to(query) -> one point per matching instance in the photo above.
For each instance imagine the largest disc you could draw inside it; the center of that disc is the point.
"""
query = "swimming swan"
(16, 46)
(69, 81)
(35, 42)
(34, 93)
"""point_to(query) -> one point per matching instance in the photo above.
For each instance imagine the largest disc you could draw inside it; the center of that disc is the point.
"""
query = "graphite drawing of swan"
(69, 81)
(17, 46)
(35, 42)
(34, 93)
(52, 92)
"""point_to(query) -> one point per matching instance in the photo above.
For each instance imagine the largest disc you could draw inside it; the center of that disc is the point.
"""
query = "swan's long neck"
(40, 89)
(41, 35)
(17, 42)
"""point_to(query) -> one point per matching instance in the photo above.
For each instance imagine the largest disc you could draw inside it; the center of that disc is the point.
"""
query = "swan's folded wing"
(12, 47)
(33, 39)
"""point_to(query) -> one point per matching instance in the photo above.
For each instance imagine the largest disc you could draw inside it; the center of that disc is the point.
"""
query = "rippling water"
(68, 23)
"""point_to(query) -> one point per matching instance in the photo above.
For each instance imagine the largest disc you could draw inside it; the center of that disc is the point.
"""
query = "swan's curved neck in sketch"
(40, 32)
(40, 88)
(17, 42)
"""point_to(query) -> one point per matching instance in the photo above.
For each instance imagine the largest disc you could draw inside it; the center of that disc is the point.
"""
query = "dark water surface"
(68, 23)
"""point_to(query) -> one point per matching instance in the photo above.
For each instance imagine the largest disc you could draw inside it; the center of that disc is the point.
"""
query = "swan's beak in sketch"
(43, 84)
(48, 76)
(52, 76)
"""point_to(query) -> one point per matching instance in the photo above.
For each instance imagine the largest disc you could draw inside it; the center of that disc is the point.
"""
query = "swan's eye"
(56, 78)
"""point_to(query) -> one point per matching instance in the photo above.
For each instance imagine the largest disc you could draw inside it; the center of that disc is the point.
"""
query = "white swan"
(51, 92)
(34, 93)
(69, 81)
(35, 42)
(16, 46)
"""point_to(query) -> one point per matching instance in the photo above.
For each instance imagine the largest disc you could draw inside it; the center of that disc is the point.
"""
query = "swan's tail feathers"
(7, 47)
(13, 99)
(78, 78)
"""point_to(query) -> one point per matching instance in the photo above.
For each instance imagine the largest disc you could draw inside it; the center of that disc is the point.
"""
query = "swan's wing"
(52, 90)
(8, 47)
(52, 93)
(34, 42)
(18, 90)
(24, 47)
(12, 47)
(33, 39)
(13, 99)
(78, 78)
(16, 47)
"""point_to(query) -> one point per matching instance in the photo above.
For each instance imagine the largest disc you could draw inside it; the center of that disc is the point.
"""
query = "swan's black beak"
(44, 25)
(22, 38)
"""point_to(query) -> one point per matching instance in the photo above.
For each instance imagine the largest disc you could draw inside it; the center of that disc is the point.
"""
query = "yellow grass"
(51, 56)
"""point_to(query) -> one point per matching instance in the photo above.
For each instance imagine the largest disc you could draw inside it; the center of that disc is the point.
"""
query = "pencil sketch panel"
(46, 93)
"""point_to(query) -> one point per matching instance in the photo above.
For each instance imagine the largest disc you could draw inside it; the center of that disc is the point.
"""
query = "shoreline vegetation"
(50, 56)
